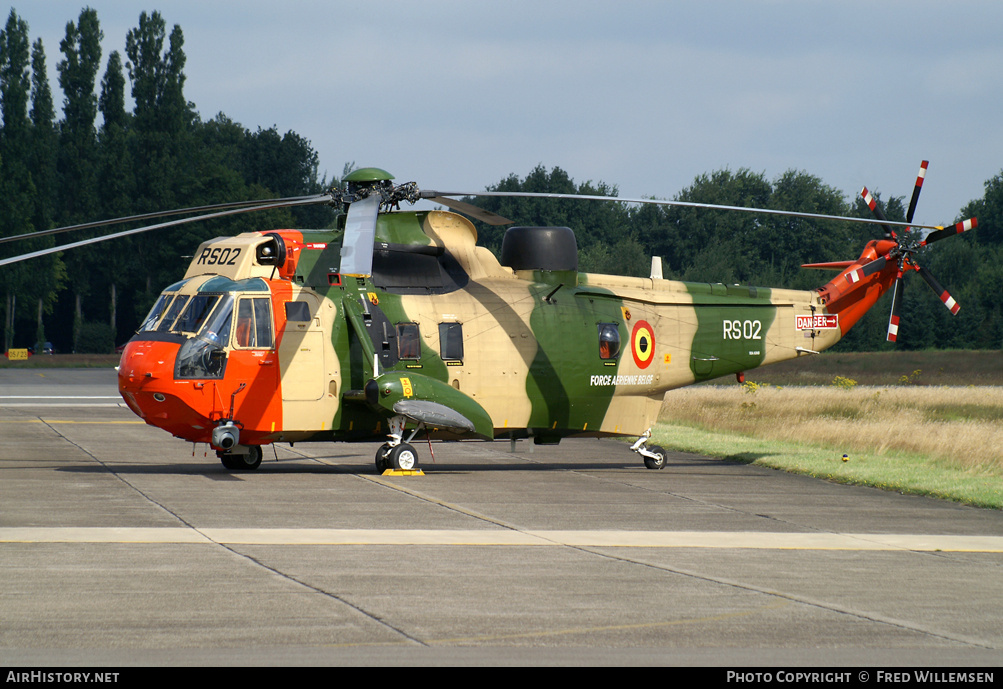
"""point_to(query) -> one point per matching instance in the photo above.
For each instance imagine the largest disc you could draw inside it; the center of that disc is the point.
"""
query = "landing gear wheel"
(382, 459)
(658, 461)
(403, 458)
(238, 462)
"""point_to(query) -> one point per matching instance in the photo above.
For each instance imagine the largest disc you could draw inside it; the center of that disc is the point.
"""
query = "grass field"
(935, 367)
(941, 441)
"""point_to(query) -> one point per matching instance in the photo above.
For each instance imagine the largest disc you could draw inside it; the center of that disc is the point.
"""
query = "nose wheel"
(235, 461)
(401, 457)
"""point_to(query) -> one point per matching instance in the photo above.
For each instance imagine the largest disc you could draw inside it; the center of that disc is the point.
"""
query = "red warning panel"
(642, 344)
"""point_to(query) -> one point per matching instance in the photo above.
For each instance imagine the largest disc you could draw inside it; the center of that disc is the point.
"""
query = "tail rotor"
(904, 253)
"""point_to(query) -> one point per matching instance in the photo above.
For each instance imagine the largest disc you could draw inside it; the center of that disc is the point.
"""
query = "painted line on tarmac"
(734, 540)
(62, 421)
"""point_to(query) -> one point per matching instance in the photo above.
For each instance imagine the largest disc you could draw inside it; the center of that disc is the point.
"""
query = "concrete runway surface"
(119, 547)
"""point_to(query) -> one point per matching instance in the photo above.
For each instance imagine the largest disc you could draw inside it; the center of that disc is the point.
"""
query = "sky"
(645, 96)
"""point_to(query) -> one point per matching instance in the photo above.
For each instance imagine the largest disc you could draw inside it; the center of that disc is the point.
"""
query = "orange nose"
(146, 382)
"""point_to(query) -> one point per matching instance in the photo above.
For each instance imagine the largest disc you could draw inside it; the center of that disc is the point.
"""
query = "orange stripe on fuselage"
(191, 408)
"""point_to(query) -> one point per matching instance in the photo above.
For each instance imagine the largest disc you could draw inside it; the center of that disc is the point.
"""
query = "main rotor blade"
(300, 201)
(893, 321)
(473, 211)
(160, 214)
(941, 293)
(915, 192)
(428, 193)
(872, 203)
(945, 232)
(360, 232)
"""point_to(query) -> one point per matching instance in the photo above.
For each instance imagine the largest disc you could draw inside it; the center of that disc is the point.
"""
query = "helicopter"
(396, 325)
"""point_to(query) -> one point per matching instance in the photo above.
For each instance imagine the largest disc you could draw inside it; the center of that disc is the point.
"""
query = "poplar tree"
(163, 142)
(49, 271)
(17, 192)
(78, 70)
(116, 180)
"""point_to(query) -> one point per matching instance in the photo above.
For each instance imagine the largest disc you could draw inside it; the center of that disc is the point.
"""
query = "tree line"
(100, 160)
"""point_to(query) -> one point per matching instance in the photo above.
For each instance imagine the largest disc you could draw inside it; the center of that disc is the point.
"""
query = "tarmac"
(120, 545)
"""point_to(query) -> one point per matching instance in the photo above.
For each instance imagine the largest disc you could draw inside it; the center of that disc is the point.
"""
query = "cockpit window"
(204, 356)
(199, 308)
(254, 323)
(216, 330)
(171, 314)
(150, 322)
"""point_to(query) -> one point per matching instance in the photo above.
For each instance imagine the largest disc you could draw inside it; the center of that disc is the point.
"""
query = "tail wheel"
(658, 461)
(403, 458)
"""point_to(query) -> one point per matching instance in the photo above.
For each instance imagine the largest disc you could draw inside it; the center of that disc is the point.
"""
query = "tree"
(708, 245)
(592, 221)
(162, 119)
(78, 70)
(989, 211)
(49, 271)
(116, 181)
(17, 192)
(163, 150)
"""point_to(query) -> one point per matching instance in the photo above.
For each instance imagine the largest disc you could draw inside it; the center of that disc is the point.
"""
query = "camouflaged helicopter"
(397, 324)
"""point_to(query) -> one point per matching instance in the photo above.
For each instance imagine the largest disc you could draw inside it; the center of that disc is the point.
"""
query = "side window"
(609, 341)
(297, 311)
(408, 341)
(451, 341)
(254, 324)
(263, 323)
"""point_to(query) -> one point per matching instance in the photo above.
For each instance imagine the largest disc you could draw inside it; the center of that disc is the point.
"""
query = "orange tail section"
(861, 283)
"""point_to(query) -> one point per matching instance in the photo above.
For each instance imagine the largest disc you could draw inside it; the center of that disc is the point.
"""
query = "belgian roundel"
(642, 344)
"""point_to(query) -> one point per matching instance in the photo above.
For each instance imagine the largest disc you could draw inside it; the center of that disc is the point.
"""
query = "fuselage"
(285, 346)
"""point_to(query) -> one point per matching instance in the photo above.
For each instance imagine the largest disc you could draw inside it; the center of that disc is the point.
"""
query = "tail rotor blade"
(915, 192)
(942, 293)
(893, 322)
(872, 203)
(946, 232)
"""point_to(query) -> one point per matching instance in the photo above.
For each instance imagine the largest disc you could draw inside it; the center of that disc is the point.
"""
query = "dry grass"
(960, 427)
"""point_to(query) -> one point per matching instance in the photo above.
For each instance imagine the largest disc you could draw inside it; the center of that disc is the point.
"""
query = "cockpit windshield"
(150, 322)
(204, 356)
(171, 313)
(198, 309)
